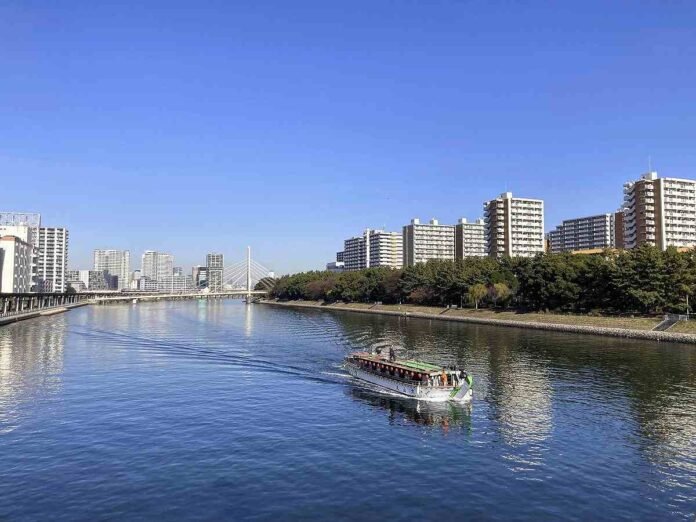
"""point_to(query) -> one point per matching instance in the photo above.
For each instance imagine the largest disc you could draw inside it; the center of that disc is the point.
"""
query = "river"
(222, 411)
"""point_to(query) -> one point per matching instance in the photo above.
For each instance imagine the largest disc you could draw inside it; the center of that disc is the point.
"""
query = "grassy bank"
(633, 327)
(632, 323)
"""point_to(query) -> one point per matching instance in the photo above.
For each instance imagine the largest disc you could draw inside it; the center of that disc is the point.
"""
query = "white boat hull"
(417, 391)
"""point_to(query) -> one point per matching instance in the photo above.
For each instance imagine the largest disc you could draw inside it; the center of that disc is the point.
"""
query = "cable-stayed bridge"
(240, 279)
(246, 274)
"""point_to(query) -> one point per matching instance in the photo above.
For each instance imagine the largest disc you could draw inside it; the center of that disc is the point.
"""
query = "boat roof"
(406, 364)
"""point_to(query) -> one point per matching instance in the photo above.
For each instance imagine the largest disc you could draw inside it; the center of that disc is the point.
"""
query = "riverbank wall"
(627, 333)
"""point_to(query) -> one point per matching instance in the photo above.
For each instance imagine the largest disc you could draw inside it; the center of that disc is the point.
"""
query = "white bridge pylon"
(246, 274)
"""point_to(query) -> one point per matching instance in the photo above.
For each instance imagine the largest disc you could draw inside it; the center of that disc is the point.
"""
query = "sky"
(191, 127)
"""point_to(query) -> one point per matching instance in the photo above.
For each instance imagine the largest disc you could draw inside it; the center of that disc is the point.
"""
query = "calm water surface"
(222, 411)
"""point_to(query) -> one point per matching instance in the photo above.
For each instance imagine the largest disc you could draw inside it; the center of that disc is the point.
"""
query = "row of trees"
(644, 280)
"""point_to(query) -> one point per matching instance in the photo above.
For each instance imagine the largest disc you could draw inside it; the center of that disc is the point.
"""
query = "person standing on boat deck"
(444, 377)
(392, 355)
(455, 377)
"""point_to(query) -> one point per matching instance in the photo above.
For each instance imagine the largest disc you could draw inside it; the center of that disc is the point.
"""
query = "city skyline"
(277, 125)
(549, 231)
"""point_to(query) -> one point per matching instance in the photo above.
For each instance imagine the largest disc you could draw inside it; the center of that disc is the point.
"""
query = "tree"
(499, 292)
(477, 292)
(644, 280)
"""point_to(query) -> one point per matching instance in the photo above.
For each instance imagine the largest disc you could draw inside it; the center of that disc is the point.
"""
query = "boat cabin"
(413, 372)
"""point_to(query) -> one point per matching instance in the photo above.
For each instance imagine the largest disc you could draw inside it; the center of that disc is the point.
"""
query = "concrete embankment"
(627, 333)
(39, 313)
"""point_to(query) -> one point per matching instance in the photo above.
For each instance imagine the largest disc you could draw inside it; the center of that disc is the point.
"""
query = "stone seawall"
(626, 333)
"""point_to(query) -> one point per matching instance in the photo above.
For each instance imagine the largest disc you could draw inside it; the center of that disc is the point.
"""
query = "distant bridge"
(134, 297)
(242, 277)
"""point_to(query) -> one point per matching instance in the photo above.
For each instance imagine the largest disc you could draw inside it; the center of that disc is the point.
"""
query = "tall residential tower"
(424, 241)
(660, 212)
(116, 263)
(53, 259)
(514, 226)
(374, 248)
(585, 233)
(469, 239)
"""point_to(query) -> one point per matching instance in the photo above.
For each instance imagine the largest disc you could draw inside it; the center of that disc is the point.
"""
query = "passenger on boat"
(392, 355)
(443, 377)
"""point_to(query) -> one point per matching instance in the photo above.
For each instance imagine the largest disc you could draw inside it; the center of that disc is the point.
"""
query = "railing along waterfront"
(12, 305)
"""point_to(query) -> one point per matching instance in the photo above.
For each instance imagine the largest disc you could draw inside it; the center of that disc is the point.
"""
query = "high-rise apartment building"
(514, 226)
(374, 248)
(116, 263)
(157, 265)
(53, 259)
(215, 265)
(585, 233)
(148, 265)
(425, 241)
(660, 212)
(469, 239)
(16, 258)
(165, 266)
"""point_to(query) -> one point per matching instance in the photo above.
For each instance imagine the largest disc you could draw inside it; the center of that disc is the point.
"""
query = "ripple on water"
(218, 410)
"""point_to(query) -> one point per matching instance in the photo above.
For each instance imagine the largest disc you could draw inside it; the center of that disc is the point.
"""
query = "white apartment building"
(116, 263)
(148, 265)
(16, 257)
(374, 248)
(165, 266)
(425, 241)
(660, 212)
(585, 233)
(514, 226)
(470, 239)
(157, 265)
(53, 259)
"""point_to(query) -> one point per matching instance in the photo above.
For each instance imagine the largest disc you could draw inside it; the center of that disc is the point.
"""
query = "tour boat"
(411, 378)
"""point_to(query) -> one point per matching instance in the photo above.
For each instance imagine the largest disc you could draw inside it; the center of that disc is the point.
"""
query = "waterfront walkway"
(21, 315)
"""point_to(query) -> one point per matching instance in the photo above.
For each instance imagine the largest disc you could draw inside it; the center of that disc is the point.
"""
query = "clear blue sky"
(205, 126)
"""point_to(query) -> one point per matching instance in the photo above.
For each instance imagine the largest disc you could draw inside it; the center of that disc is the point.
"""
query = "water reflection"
(402, 410)
(524, 376)
(31, 364)
(248, 320)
